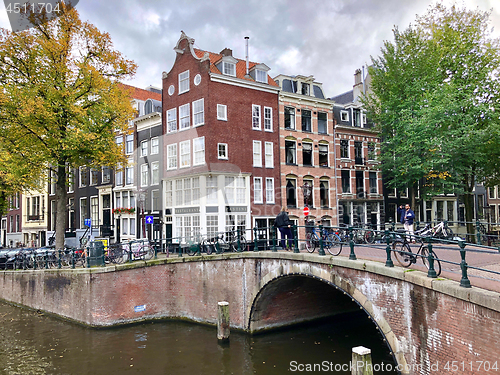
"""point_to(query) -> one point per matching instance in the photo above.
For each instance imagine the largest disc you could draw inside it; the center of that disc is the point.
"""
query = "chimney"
(246, 52)
(357, 77)
(226, 52)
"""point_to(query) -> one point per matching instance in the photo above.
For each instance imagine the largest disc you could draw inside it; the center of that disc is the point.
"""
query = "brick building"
(306, 150)
(220, 143)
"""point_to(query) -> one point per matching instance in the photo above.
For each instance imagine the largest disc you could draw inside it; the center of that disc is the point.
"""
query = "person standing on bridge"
(406, 217)
(283, 223)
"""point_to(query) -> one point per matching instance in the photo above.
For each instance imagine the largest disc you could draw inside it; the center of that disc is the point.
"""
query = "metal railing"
(354, 239)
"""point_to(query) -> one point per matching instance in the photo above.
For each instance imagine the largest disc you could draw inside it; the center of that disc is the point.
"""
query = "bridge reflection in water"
(32, 343)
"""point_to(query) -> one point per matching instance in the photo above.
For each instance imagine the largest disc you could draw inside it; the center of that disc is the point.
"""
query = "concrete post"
(361, 361)
(223, 321)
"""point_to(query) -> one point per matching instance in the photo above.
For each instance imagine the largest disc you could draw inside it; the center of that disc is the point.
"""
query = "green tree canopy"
(435, 99)
(61, 102)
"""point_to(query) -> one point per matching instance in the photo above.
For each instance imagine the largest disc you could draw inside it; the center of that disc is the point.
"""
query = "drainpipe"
(246, 53)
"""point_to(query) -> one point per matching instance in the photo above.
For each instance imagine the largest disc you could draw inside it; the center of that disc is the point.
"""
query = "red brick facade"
(231, 139)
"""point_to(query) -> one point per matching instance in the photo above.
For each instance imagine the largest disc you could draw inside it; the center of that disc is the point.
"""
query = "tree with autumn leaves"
(435, 95)
(61, 104)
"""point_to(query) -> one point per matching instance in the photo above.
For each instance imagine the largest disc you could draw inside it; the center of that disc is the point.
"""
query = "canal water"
(33, 343)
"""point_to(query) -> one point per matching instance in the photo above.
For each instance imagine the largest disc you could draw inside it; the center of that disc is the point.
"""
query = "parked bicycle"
(233, 236)
(405, 256)
(331, 241)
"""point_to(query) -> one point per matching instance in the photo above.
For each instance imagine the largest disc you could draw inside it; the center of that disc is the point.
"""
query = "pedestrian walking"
(406, 218)
(283, 223)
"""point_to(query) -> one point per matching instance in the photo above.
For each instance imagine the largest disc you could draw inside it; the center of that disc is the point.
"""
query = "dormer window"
(229, 68)
(305, 88)
(261, 76)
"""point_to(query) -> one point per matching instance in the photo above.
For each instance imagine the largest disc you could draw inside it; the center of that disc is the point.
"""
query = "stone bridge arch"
(266, 312)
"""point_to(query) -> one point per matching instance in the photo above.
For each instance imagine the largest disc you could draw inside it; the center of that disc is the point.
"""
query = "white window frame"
(184, 117)
(257, 153)
(144, 175)
(268, 119)
(185, 154)
(172, 156)
(183, 82)
(155, 173)
(260, 75)
(257, 193)
(199, 151)
(269, 190)
(269, 154)
(256, 117)
(197, 113)
(155, 146)
(129, 144)
(144, 148)
(222, 112)
(344, 116)
(225, 156)
(129, 174)
(229, 68)
(172, 120)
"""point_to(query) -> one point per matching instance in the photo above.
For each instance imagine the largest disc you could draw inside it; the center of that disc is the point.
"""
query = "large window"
(84, 176)
(94, 173)
(155, 146)
(129, 145)
(144, 148)
(268, 119)
(346, 181)
(229, 68)
(185, 154)
(199, 151)
(198, 112)
(290, 152)
(129, 175)
(256, 117)
(234, 190)
(269, 190)
(322, 123)
(83, 212)
(221, 112)
(307, 154)
(144, 175)
(291, 192)
(371, 150)
(269, 157)
(306, 121)
(212, 187)
(172, 156)
(119, 176)
(94, 210)
(106, 175)
(184, 122)
(344, 149)
(257, 154)
(289, 118)
(222, 151)
(324, 194)
(155, 173)
(171, 120)
(372, 177)
(155, 200)
(323, 155)
(358, 152)
(257, 190)
(184, 82)
(356, 113)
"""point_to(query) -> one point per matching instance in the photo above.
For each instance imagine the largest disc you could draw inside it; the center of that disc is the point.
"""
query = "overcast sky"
(328, 39)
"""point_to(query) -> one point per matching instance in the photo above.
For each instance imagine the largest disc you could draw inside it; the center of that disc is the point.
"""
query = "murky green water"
(32, 343)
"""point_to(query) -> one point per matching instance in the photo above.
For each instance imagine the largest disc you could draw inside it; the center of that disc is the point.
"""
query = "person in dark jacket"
(406, 218)
(283, 223)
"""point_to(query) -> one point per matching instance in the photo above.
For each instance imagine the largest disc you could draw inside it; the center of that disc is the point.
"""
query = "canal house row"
(224, 146)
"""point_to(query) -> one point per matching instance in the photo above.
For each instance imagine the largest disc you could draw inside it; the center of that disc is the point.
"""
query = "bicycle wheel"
(207, 247)
(369, 236)
(146, 252)
(403, 254)
(335, 244)
(311, 242)
(448, 234)
(425, 260)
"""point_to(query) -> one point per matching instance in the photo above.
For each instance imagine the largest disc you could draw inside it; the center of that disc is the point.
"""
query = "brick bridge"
(423, 320)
